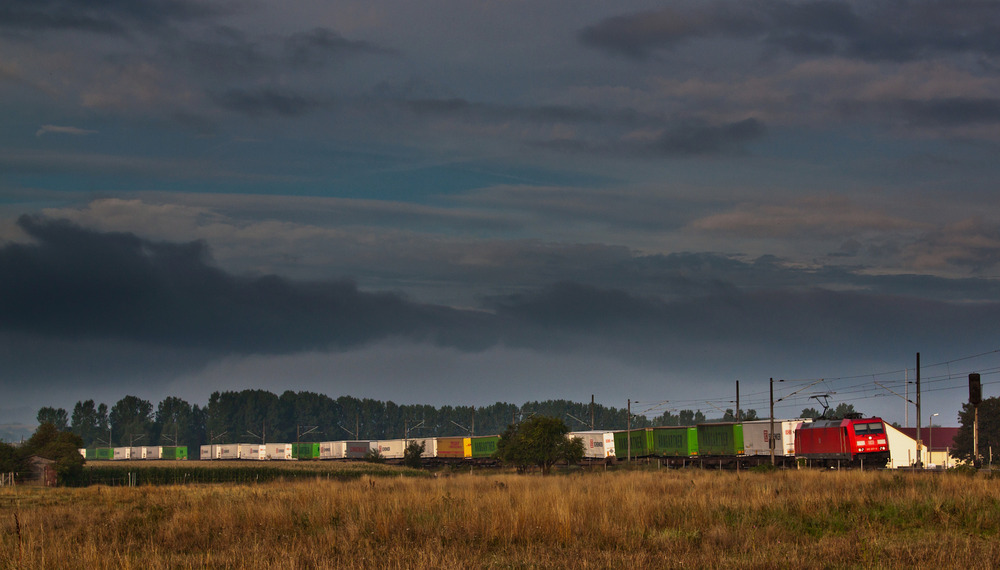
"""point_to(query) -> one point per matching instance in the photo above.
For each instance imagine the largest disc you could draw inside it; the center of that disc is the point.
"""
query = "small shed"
(41, 471)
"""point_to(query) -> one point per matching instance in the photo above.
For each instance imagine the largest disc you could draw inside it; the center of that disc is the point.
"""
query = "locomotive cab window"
(868, 429)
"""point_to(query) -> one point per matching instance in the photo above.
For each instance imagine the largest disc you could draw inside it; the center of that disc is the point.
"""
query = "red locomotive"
(859, 442)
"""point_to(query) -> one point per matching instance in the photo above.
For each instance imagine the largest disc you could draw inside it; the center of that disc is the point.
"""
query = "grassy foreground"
(688, 518)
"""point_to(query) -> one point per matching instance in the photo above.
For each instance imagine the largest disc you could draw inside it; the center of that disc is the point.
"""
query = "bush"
(538, 441)
(374, 456)
(412, 454)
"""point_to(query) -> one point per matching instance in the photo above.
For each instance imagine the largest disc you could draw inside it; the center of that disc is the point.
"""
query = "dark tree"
(57, 417)
(540, 441)
(132, 421)
(174, 423)
(90, 423)
(989, 429)
(60, 446)
(810, 413)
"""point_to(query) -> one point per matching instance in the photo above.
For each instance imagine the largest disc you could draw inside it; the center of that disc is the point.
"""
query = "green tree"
(810, 413)
(57, 417)
(174, 423)
(989, 429)
(10, 459)
(540, 441)
(60, 446)
(132, 420)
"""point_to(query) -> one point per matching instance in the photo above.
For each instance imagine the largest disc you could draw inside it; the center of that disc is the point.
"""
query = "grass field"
(617, 519)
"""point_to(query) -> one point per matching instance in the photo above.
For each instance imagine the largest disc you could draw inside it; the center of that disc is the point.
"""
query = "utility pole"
(628, 430)
(591, 412)
(738, 401)
(770, 431)
(975, 398)
(920, 443)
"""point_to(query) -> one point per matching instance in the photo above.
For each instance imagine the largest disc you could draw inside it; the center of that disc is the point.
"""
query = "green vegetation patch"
(121, 475)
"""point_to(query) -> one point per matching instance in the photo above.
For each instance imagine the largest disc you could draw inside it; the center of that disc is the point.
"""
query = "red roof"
(936, 438)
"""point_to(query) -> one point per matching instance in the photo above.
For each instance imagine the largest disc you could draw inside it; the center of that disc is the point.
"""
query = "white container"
(430, 446)
(331, 450)
(755, 436)
(596, 444)
(152, 452)
(209, 452)
(137, 453)
(228, 450)
(83, 451)
(278, 451)
(122, 453)
(358, 449)
(251, 451)
(391, 448)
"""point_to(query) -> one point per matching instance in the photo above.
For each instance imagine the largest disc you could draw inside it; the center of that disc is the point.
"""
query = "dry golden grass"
(686, 518)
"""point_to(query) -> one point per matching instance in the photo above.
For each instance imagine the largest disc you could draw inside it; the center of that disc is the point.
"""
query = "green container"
(675, 441)
(642, 443)
(484, 446)
(720, 439)
(175, 453)
(104, 453)
(305, 450)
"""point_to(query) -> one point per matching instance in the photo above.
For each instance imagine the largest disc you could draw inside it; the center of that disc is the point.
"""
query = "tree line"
(256, 416)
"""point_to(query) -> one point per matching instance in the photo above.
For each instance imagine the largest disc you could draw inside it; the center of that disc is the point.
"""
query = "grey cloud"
(225, 50)
(885, 30)
(609, 128)
(116, 17)
(698, 138)
(319, 45)
(804, 321)
(267, 101)
(950, 112)
(76, 283)
(87, 296)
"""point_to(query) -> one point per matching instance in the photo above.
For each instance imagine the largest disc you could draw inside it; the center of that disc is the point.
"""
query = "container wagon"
(484, 446)
(757, 432)
(677, 444)
(720, 444)
(641, 443)
(391, 448)
(454, 447)
(305, 450)
(332, 450)
(358, 449)
(596, 444)
(251, 451)
(430, 446)
(278, 451)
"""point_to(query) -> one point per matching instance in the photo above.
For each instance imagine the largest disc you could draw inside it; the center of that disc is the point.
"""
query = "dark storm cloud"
(692, 138)
(261, 102)
(319, 45)
(76, 283)
(536, 114)
(950, 112)
(946, 112)
(116, 17)
(116, 291)
(878, 30)
(678, 137)
(799, 319)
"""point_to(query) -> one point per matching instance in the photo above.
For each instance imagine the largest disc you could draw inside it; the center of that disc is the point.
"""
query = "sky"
(457, 203)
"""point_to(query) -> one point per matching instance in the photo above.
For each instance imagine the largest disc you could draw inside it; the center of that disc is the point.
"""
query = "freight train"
(847, 442)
